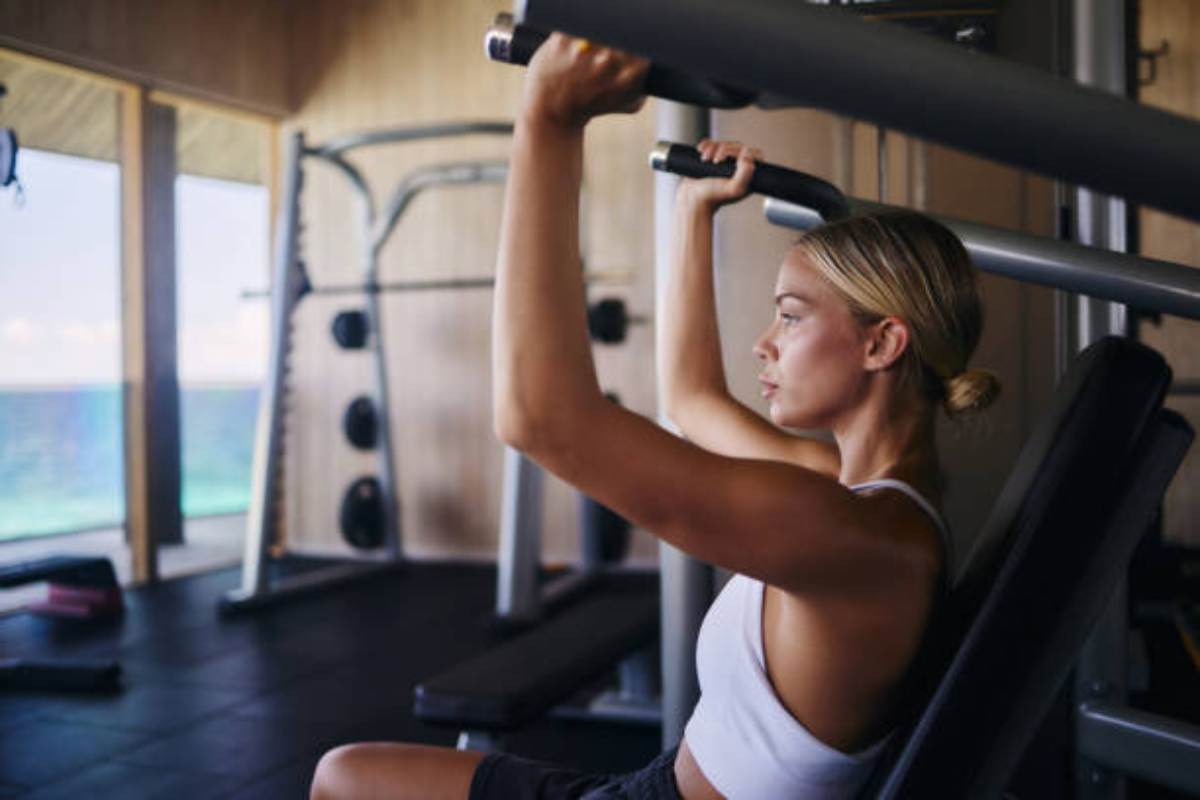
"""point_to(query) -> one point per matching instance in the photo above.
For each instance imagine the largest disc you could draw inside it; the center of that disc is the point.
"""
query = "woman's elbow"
(510, 426)
(519, 429)
(676, 412)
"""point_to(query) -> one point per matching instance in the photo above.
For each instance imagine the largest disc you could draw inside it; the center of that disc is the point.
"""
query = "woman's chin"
(780, 416)
(792, 420)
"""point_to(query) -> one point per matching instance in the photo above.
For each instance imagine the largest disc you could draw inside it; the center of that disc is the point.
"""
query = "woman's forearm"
(541, 357)
(689, 344)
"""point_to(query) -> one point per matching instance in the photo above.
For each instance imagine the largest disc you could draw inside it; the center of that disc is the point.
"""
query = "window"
(60, 349)
(222, 250)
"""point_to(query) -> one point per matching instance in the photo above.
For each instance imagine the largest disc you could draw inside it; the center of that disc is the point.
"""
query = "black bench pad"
(94, 571)
(520, 680)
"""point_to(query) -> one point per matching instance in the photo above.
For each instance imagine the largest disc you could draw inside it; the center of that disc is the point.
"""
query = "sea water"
(61, 458)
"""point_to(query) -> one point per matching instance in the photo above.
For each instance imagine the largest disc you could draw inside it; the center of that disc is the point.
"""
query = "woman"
(838, 550)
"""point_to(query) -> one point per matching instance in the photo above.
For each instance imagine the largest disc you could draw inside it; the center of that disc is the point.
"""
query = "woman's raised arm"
(692, 377)
(783, 524)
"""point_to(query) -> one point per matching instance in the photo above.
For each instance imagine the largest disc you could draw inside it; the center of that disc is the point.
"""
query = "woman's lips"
(768, 388)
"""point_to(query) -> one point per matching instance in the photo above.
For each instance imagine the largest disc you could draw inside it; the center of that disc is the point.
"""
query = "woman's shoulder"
(902, 514)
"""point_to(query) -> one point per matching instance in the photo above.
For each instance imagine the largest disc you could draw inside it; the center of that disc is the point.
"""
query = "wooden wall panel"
(382, 64)
(1176, 89)
(229, 51)
(59, 109)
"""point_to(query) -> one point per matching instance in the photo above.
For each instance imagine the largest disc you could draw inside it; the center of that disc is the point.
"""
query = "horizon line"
(62, 387)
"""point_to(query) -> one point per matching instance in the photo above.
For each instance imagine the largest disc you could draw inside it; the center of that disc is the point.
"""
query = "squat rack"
(289, 285)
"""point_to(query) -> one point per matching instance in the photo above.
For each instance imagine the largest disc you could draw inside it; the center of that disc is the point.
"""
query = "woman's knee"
(393, 770)
(334, 776)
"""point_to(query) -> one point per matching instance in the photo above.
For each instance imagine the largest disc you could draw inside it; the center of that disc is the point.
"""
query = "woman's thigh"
(394, 771)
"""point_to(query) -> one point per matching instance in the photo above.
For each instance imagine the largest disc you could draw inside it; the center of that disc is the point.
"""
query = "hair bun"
(970, 390)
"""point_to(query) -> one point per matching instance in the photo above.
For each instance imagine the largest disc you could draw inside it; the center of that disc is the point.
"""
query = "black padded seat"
(512, 685)
(90, 571)
(1084, 491)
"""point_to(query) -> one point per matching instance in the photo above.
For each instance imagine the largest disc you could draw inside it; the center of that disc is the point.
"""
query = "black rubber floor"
(244, 707)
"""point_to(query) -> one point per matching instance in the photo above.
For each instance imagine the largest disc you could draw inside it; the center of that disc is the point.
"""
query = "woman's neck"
(890, 439)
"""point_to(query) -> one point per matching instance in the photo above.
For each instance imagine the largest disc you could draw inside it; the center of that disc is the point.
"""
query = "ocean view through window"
(61, 466)
(222, 234)
(60, 350)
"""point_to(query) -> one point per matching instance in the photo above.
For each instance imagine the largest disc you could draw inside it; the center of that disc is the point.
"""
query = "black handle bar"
(769, 180)
(515, 44)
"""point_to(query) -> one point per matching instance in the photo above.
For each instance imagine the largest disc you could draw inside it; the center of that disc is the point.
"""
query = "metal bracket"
(1151, 57)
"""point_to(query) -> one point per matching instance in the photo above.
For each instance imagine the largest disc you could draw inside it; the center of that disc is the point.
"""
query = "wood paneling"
(367, 65)
(233, 52)
(216, 145)
(1177, 89)
(57, 109)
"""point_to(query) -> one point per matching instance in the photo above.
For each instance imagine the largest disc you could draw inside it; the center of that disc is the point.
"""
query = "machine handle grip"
(769, 180)
(515, 44)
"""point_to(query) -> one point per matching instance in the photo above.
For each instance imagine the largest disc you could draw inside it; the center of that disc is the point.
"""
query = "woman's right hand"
(570, 80)
(716, 192)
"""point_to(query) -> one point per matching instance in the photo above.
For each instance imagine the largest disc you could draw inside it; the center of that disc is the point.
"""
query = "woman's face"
(812, 352)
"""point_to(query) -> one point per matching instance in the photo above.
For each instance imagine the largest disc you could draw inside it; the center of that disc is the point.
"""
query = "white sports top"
(744, 740)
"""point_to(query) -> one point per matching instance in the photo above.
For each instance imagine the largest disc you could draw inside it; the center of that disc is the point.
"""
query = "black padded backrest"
(1019, 595)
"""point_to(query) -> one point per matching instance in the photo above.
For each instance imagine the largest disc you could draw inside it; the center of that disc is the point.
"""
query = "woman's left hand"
(717, 192)
(571, 80)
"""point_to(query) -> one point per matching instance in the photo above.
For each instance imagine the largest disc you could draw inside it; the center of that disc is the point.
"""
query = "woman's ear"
(887, 340)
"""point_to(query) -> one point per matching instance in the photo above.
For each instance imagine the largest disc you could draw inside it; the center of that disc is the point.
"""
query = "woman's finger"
(739, 184)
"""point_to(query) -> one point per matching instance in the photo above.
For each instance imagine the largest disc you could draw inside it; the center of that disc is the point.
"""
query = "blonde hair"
(904, 264)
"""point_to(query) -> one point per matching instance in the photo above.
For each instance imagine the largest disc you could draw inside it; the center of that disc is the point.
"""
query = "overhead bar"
(1145, 283)
(824, 57)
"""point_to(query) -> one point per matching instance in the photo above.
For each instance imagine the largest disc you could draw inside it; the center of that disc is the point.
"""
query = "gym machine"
(1109, 731)
(369, 513)
(811, 55)
(1029, 119)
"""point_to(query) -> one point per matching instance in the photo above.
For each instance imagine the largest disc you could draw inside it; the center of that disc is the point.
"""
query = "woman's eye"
(788, 319)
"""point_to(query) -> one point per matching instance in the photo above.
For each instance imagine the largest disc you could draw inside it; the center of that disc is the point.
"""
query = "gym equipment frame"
(808, 55)
(289, 286)
(1109, 733)
(794, 53)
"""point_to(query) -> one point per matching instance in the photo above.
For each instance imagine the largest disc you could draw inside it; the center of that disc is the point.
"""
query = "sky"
(60, 278)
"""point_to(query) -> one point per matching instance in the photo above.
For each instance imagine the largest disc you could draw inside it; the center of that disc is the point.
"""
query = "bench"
(520, 680)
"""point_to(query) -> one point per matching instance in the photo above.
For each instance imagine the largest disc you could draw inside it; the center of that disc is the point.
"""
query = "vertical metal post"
(386, 461)
(1099, 61)
(1098, 32)
(517, 595)
(286, 288)
(686, 583)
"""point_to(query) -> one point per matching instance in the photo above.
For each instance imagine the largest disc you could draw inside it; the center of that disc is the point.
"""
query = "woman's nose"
(764, 348)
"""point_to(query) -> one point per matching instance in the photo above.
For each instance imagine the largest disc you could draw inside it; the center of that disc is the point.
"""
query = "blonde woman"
(838, 550)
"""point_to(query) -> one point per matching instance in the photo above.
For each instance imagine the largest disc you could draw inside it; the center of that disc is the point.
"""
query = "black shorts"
(501, 776)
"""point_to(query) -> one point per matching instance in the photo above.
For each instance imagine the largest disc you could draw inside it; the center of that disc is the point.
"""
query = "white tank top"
(744, 740)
